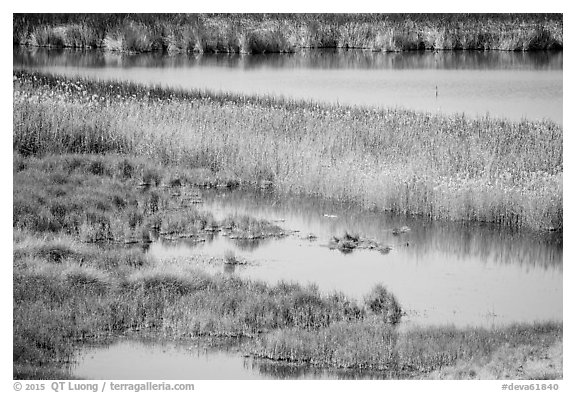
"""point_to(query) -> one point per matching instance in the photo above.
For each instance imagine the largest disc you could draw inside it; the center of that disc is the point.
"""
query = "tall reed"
(437, 166)
(258, 33)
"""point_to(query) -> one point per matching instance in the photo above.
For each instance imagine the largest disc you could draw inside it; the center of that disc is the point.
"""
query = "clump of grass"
(166, 283)
(247, 227)
(426, 349)
(64, 250)
(86, 279)
(230, 258)
(383, 303)
(126, 169)
(186, 222)
(365, 344)
(348, 243)
(434, 166)
(54, 251)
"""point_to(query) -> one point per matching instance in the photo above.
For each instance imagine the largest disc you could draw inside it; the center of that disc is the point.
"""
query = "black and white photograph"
(282, 196)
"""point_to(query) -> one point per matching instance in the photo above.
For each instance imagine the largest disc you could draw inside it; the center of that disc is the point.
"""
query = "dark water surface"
(511, 85)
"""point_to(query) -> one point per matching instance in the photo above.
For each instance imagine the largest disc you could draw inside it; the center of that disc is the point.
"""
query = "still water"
(503, 84)
(167, 360)
(441, 273)
(449, 273)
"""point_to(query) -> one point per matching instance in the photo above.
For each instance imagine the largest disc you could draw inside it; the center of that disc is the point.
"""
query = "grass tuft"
(381, 302)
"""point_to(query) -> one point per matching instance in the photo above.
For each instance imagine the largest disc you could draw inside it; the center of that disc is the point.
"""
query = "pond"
(141, 359)
(511, 85)
(441, 273)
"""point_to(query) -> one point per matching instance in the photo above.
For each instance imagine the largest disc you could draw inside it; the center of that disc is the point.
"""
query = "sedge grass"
(100, 198)
(91, 293)
(511, 352)
(436, 166)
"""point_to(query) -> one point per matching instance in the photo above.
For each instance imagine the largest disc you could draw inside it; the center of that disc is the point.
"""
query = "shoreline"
(399, 174)
(294, 51)
(284, 33)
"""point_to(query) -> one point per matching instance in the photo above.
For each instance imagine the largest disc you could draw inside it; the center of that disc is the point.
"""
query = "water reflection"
(147, 359)
(280, 370)
(513, 85)
(455, 273)
(167, 360)
(462, 240)
(314, 59)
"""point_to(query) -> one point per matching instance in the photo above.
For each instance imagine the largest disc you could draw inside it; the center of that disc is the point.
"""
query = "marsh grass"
(246, 227)
(94, 293)
(517, 351)
(435, 166)
(101, 198)
(509, 362)
(87, 196)
(366, 344)
(260, 33)
(100, 161)
(86, 298)
(381, 302)
(68, 292)
(347, 243)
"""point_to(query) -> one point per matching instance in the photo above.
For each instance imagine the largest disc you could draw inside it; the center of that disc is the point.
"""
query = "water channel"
(512, 85)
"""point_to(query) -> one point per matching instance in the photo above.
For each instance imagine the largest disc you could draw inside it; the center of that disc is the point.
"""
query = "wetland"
(319, 214)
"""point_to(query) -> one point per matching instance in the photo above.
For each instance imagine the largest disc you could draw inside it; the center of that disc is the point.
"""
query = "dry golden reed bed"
(435, 166)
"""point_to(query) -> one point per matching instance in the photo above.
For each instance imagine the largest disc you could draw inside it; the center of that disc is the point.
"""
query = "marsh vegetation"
(70, 289)
(86, 295)
(103, 168)
(259, 33)
(435, 166)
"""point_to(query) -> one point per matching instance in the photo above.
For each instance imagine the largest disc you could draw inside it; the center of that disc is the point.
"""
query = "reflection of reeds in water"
(286, 370)
(464, 240)
(308, 59)
(249, 245)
